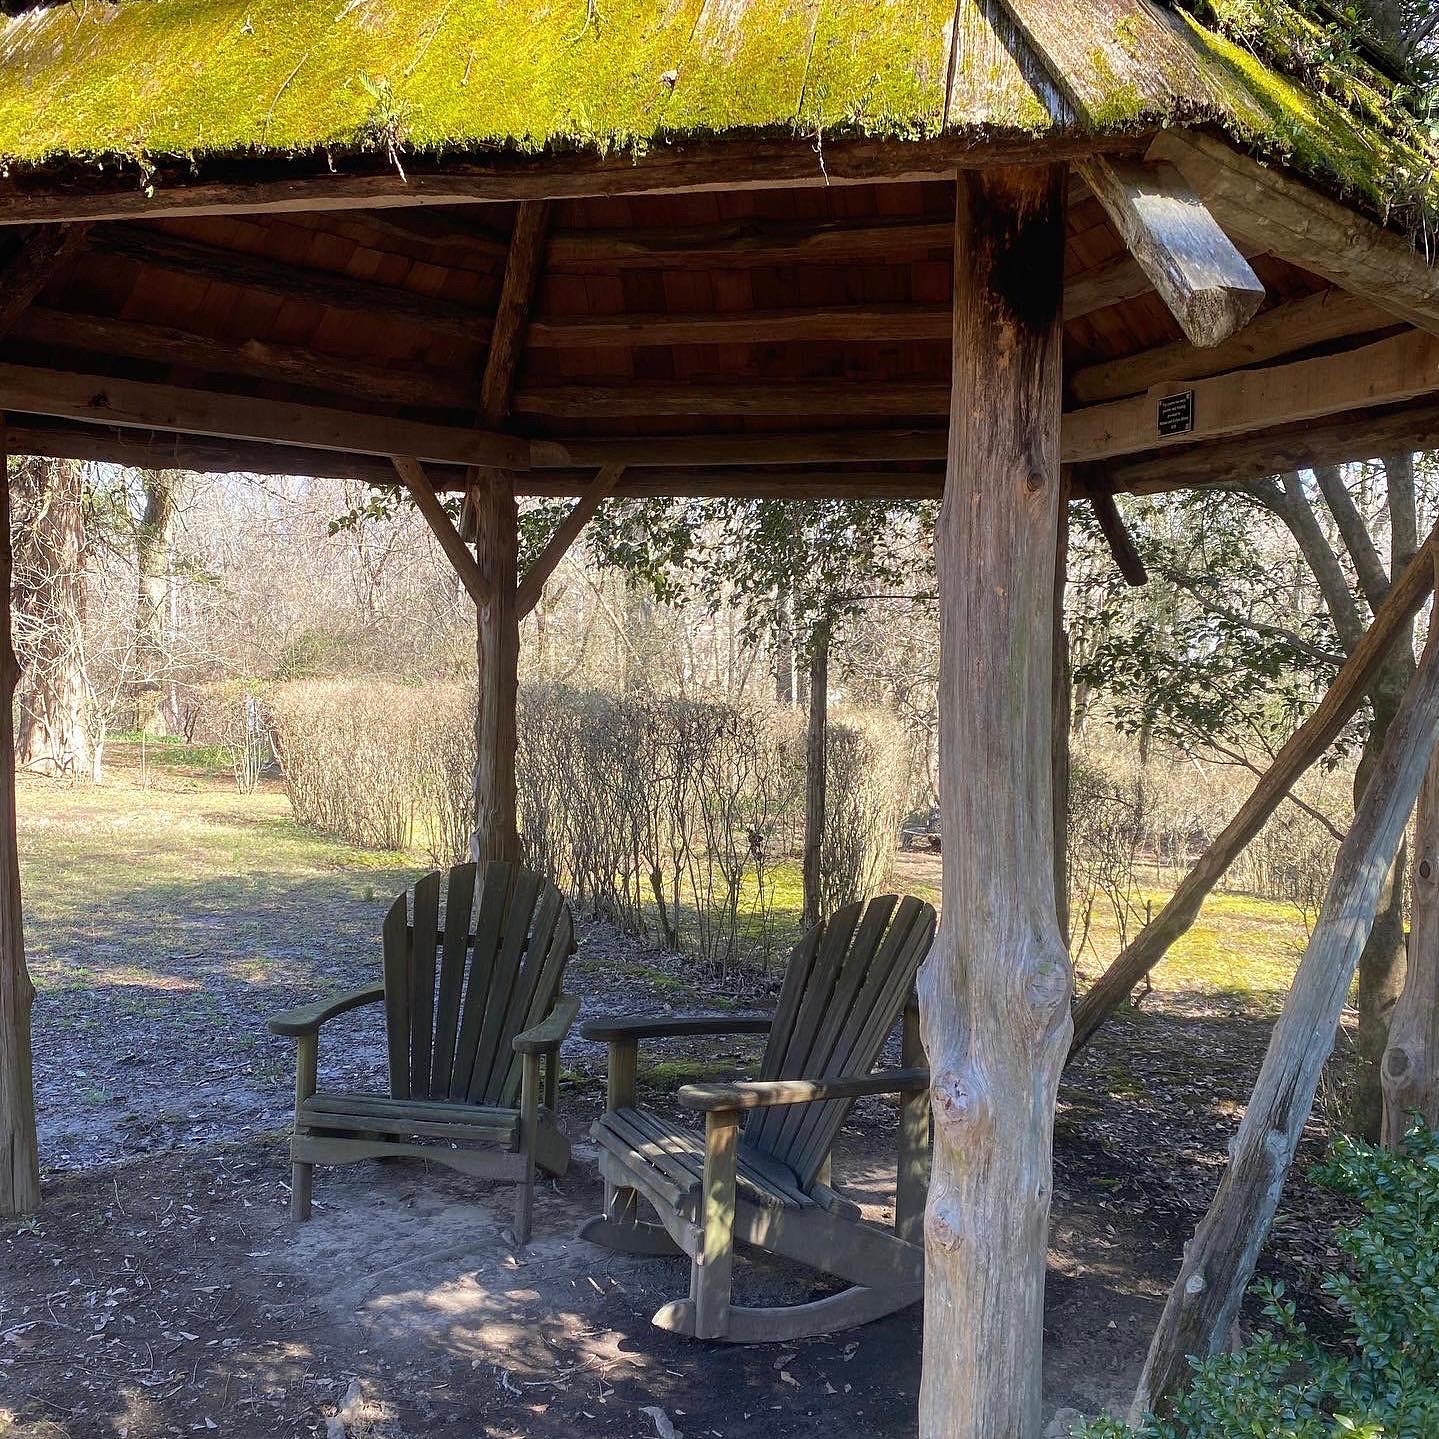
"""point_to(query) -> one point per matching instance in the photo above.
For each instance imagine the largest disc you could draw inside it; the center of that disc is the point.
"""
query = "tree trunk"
(782, 653)
(994, 992)
(49, 617)
(816, 760)
(497, 629)
(152, 561)
(1410, 1070)
(1219, 1261)
(1059, 735)
(19, 1150)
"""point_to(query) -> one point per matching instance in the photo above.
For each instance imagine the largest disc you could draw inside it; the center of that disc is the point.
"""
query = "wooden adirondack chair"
(760, 1174)
(464, 1055)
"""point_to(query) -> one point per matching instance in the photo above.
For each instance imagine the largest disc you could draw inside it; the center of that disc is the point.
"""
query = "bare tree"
(53, 734)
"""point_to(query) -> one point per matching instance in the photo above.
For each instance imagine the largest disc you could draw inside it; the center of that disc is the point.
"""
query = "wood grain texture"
(1285, 330)
(19, 1148)
(522, 272)
(1409, 1071)
(497, 647)
(100, 399)
(1304, 747)
(1219, 1261)
(1206, 283)
(1305, 227)
(994, 992)
(1386, 372)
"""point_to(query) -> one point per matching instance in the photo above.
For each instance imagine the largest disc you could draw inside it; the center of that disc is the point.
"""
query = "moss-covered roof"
(145, 81)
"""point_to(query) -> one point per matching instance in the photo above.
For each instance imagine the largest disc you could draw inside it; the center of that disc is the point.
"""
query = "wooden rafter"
(43, 254)
(106, 401)
(1388, 371)
(162, 251)
(1207, 284)
(427, 501)
(1285, 330)
(1306, 228)
(522, 273)
(532, 585)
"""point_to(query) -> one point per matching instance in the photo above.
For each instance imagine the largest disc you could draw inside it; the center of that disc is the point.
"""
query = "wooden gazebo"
(999, 250)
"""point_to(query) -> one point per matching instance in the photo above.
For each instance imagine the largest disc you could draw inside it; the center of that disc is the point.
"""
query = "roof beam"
(532, 585)
(522, 273)
(158, 250)
(122, 340)
(699, 167)
(102, 400)
(1359, 435)
(743, 327)
(835, 447)
(1306, 228)
(781, 397)
(1286, 329)
(743, 243)
(43, 254)
(1386, 372)
(1207, 284)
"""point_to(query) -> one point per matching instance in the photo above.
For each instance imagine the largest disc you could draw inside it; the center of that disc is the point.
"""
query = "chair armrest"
(549, 1033)
(307, 1018)
(660, 1026)
(761, 1093)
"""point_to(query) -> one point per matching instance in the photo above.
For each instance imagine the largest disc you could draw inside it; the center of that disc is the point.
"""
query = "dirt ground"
(163, 1290)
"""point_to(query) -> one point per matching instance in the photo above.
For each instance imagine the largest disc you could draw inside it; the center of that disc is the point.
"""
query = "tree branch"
(1373, 579)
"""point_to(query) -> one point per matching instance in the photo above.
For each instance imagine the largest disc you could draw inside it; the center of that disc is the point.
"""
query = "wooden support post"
(994, 993)
(302, 1174)
(496, 833)
(1219, 1261)
(19, 1148)
(1304, 747)
(1410, 1068)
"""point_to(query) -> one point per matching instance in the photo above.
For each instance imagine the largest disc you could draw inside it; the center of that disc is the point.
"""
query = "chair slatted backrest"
(847, 982)
(460, 985)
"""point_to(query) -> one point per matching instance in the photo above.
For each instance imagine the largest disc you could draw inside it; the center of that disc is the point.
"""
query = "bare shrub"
(867, 780)
(349, 750)
(233, 715)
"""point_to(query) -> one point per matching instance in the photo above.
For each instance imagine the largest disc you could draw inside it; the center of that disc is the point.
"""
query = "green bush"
(1384, 1379)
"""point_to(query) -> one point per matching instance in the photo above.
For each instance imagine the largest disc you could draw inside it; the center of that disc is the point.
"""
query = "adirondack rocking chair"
(464, 1055)
(760, 1174)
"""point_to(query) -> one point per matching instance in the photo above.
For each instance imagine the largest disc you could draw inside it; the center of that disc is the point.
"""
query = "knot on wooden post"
(1048, 984)
(955, 1107)
(942, 1224)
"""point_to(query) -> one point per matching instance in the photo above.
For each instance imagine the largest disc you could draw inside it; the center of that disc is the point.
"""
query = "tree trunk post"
(994, 992)
(19, 1148)
(496, 833)
(1219, 1261)
(1410, 1070)
(816, 766)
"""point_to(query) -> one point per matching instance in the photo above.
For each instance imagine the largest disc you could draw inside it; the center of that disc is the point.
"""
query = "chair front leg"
(711, 1270)
(307, 1065)
(529, 1133)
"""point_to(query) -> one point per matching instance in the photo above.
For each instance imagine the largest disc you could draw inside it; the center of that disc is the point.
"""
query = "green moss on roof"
(153, 80)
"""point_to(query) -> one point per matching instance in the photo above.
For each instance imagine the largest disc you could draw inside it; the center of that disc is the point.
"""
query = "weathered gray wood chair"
(464, 1054)
(760, 1174)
